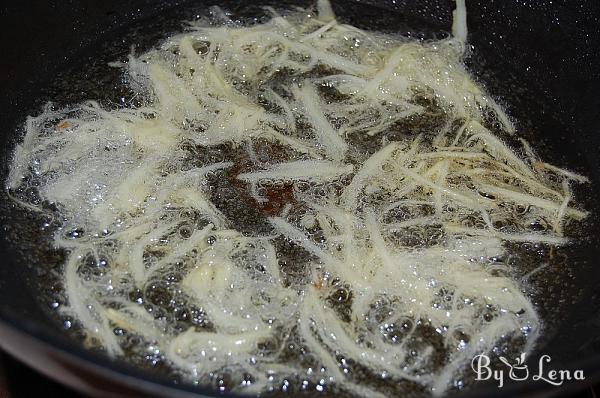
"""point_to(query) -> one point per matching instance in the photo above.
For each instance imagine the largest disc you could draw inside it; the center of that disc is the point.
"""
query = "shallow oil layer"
(97, 80)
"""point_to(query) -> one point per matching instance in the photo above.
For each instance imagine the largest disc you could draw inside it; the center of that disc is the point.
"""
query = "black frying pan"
(541, 58)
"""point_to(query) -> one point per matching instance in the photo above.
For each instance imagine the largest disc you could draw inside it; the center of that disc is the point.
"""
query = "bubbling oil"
(343, 229)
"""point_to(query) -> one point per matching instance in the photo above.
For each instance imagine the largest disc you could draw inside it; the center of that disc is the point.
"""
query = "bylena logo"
(519, 371)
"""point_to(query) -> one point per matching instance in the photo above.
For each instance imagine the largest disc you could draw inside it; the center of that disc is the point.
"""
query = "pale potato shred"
(334, 106)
